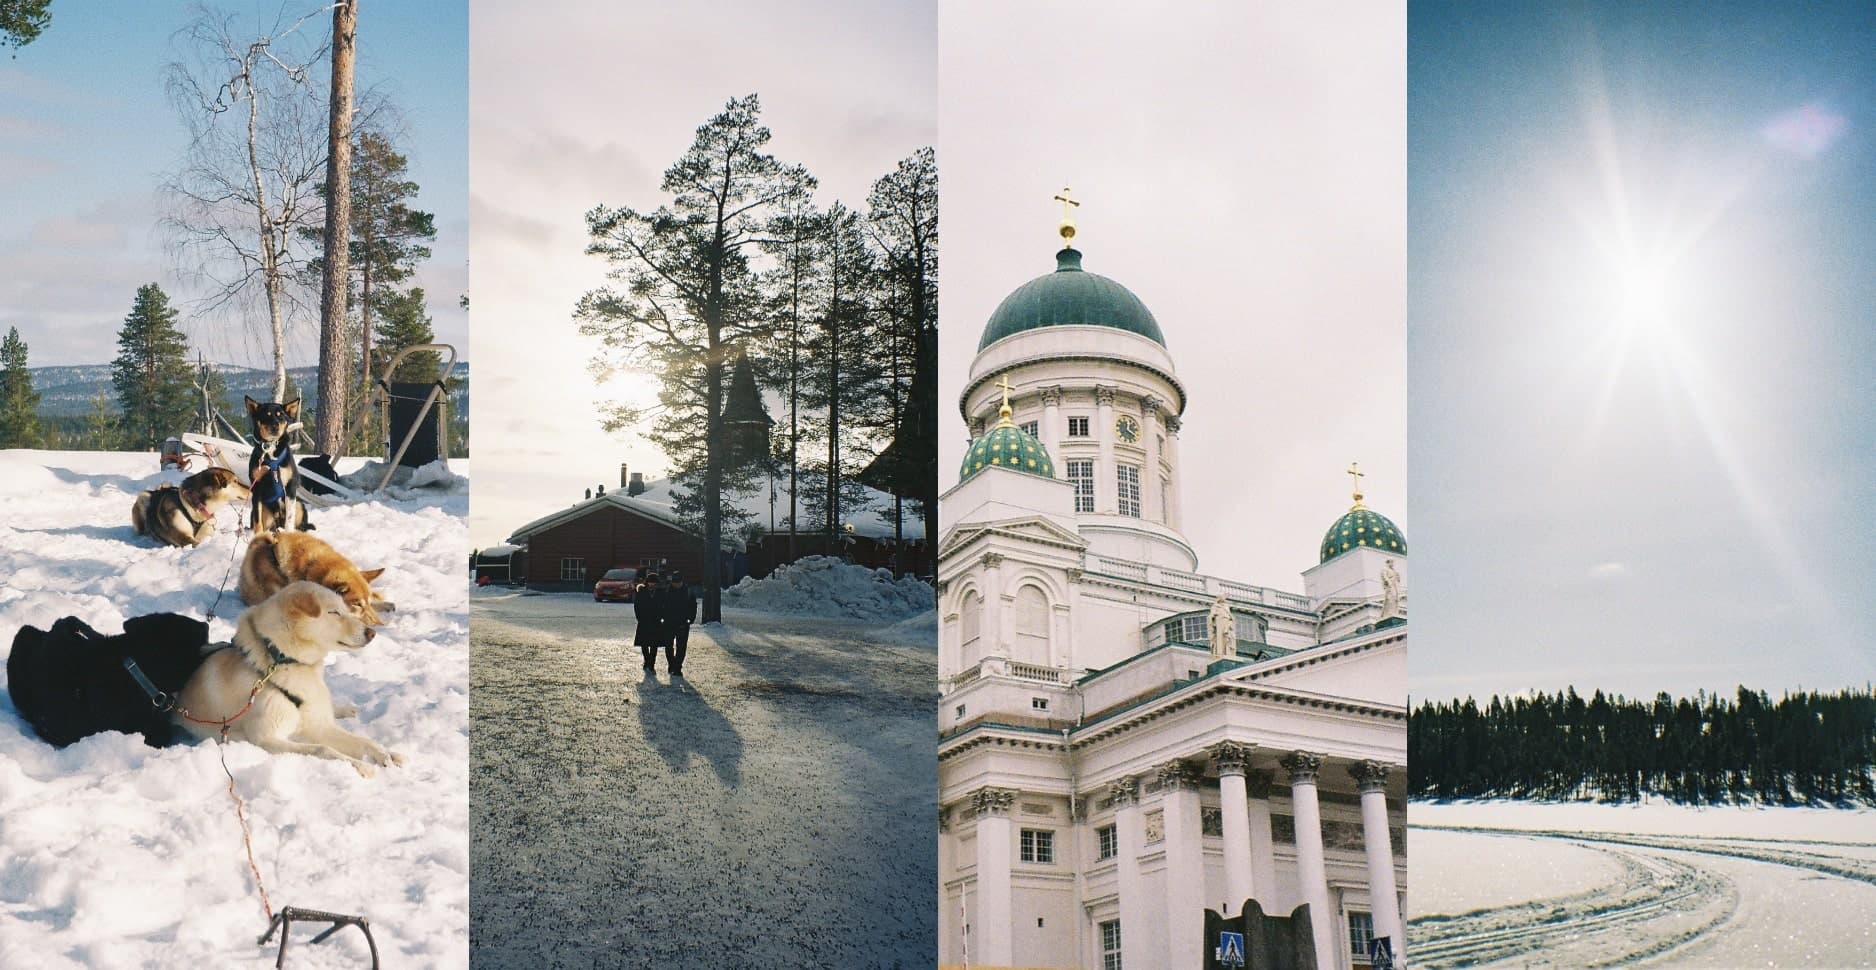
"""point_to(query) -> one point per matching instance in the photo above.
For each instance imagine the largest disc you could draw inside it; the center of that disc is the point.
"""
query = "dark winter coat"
(680, 606)
(70, 682)
(654, 628)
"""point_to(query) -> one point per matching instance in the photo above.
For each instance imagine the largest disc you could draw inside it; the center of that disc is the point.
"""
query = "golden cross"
(1068, 217)
(1356, 475)
(1004, 412)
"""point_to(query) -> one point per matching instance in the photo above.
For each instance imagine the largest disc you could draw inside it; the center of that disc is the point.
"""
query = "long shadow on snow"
(124, 482)
(678, 723)
(118, 533)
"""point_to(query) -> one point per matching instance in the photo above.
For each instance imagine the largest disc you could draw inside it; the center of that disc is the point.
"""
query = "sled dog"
(184, 515)
(275, 559)
(272, 475)
(269, 687)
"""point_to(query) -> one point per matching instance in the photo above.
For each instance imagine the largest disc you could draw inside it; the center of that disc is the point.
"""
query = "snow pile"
(113, 854)
(825, 586)
(432, 479)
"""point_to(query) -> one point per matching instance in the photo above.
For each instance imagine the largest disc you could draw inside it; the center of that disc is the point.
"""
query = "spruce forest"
(1806, 748)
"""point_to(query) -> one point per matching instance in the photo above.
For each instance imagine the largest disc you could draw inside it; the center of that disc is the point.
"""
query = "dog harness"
(169, 703)
(272, 459)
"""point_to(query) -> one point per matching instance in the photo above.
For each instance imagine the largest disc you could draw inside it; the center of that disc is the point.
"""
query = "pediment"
(1036, 529)
(1372, 669)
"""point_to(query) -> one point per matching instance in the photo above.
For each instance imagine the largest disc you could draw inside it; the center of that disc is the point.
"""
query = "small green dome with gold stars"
(1007, 446)
(1362, 527)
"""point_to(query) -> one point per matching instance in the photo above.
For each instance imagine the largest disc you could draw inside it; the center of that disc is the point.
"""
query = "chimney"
(622, 478)
(589, 493)
(602, 488)
(637, 485)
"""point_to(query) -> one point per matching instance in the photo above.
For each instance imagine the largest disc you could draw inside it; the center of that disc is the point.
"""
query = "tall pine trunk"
(333, 353)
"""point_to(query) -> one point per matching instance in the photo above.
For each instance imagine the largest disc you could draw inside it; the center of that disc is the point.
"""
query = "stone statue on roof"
(1223, 630)
(1390, 591)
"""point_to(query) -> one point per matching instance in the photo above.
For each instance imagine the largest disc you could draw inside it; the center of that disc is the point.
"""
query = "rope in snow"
(241, 815)
(241, 528)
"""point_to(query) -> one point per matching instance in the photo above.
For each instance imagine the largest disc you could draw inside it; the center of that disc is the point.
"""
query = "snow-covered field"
(1574, 885)
(113, 854)
(825, 586)
(775, 809)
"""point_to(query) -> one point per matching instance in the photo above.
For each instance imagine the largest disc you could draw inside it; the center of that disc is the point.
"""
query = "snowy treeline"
(1804, 748)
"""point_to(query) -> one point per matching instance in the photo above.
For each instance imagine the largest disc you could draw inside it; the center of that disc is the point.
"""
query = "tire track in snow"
(1645, 913)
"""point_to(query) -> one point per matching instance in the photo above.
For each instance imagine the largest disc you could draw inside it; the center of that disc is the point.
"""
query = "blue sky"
(1642, 262)
(87, 135)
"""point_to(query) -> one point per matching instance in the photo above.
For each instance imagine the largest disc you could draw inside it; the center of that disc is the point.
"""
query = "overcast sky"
(87, 134)
(1241, 169)
(1644, 256)
(574, 104)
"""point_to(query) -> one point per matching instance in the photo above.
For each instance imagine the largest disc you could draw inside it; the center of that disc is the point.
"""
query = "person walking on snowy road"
(680, 611)
(648, 604)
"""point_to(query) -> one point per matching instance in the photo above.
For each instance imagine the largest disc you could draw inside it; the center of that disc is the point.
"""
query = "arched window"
(972, 618)
(1032, 625)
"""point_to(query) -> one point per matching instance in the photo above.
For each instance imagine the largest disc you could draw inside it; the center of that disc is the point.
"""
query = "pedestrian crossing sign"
(1230, 949)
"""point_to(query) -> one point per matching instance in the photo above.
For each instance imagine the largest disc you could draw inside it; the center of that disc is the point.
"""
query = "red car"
(616, 586)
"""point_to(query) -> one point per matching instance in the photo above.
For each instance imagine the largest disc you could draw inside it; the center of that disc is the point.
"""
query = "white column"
(1312, 874)
(1052, 432)
(1129, 831)
(1263, 846)
(1371, 778)
(1185, 865)
(992, 944)
(1149, 476)
(1172, 461)
(996, 639)
(1233, 759)
(1106, 479)
(949, 951)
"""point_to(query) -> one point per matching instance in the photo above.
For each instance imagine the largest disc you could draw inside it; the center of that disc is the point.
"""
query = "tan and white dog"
(275, 670)
(184, 515)
(275, 559)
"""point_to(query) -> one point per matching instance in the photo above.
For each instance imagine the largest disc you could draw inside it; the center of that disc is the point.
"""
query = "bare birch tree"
(250, 177)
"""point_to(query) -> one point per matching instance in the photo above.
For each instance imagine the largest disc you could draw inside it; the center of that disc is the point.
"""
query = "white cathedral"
(1126, 742)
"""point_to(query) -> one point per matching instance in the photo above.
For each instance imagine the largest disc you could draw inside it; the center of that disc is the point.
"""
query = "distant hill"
(66, 392)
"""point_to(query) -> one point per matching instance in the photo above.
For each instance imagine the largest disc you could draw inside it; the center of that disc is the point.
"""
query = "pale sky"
(1644, 256)
(1241, 168)
(87, 135)
(574, 104)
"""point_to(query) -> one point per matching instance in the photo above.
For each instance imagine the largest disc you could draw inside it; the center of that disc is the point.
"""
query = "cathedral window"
(1081, 475)
(1032, 625)
(1110, 945)
(1038, 846)
(1077, 427)
(1039, 703)
(1360, 937)
(1165, 501)
(1187, 629)
(973, 619)
(1106, 842)
(1029, 428)
(1129, 490)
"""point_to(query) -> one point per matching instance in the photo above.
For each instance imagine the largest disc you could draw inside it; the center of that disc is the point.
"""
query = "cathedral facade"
(1125, 741)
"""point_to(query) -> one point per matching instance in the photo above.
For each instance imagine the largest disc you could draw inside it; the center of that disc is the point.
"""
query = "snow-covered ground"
(113, 854)
(1571, 885)
(825, 586)
(775, 809)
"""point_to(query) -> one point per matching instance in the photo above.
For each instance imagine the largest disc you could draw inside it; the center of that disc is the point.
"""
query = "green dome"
(1070, 296)
(1010, 447)
(1362, 526)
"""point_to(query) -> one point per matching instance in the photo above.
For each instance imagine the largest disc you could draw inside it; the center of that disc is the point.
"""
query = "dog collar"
(277, 655)
(187, 504)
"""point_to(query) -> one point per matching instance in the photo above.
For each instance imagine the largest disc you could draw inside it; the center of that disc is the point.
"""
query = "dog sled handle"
(158, 699)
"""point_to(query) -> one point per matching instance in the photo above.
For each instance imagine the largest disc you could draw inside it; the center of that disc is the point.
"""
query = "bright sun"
(1645, 304)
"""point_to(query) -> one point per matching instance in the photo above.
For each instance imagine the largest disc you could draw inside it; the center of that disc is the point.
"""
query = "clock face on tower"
(1127, 428)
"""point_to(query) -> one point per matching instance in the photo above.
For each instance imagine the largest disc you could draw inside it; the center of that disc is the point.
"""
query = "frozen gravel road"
(775, 809)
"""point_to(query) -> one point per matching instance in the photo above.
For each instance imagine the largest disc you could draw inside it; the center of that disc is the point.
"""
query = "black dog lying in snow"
(70, 682)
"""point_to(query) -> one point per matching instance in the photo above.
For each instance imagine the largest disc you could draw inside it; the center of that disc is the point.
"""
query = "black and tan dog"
(184, 515)
(274, 478)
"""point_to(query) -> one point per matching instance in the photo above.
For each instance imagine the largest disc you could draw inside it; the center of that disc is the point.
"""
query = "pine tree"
(19, 403)
(687, 300)
(103, 430)
(152, 373)
(403, 321)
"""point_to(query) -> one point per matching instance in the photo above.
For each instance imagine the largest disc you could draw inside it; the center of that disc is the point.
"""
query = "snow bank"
(113, 854)
(825, 586)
